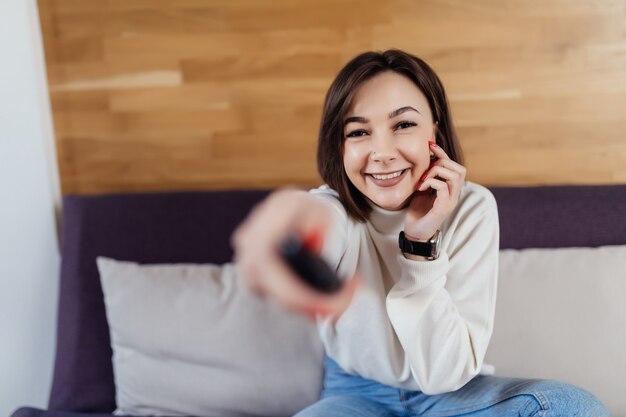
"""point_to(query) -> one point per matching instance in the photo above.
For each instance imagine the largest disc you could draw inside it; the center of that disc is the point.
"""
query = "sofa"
(549, 324)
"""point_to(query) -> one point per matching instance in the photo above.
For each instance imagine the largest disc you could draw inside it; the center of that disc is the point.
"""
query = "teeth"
(388, 176)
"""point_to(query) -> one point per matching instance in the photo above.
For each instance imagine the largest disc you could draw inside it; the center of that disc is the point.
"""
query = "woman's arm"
(443, 310)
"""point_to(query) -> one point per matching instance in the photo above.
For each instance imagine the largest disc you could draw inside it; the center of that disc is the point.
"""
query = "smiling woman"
(387, 113)
(409, 329)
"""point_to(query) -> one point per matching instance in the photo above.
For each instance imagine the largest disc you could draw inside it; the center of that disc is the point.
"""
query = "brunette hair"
(330, 144)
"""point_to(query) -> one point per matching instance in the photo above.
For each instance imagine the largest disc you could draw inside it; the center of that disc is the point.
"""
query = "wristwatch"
(429, 249)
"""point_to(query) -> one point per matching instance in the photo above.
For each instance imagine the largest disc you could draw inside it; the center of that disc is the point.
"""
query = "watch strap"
(414, 247)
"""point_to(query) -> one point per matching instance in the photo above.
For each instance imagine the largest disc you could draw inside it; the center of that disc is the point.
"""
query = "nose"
(383, 150)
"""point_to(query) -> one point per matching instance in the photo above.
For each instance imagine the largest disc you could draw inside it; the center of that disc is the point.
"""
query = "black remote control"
(311, 268)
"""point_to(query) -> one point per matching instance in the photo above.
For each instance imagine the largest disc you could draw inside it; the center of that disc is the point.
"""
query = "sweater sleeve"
(443, 310)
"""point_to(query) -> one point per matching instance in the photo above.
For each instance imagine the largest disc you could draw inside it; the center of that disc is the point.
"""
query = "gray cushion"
(191, 339)
(560, 314)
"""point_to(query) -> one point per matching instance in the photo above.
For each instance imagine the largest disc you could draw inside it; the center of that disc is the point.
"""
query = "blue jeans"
(348, 395)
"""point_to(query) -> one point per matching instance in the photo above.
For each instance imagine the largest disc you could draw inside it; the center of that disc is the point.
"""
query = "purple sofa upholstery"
(195, 227)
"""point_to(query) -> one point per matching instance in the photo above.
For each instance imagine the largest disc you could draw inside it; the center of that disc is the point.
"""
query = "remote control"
(311, 268)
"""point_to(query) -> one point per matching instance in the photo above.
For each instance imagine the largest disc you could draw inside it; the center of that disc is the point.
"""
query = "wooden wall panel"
(195, 94)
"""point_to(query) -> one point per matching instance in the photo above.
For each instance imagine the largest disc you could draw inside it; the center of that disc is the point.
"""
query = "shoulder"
(474, 224)
(477, 208)
(477, 199)
(324, 191)
(331, 197)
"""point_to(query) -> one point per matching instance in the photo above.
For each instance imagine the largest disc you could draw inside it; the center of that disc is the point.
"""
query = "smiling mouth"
(389, 176)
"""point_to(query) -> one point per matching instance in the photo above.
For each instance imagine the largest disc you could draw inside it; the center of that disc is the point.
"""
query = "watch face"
(436, 242)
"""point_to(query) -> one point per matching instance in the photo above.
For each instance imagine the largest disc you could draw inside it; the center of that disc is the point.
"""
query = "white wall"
(29, 253)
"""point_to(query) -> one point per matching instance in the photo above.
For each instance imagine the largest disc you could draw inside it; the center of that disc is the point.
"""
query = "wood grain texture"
(151, 95)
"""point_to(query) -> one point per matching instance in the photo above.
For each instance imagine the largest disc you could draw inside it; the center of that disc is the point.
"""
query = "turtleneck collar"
(388, 222)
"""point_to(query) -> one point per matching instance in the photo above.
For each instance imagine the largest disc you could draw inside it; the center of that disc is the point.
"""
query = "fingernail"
(321, 310)
(313, 240)
(432, 143)
(312, 312)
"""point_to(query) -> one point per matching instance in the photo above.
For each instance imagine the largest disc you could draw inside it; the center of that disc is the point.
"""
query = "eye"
(405, 125)
(356, 133)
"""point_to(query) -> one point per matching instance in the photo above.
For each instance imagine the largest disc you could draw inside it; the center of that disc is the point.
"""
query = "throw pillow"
(192, 339)
(561, 314)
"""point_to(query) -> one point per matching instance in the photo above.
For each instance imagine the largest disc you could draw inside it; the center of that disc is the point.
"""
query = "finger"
(440, 186)
(452, 165)
(438, 151)
(280, 282)
(248, 273)
(425, 173)
(255, 287)
(310, 223)
(443, 173)
(313, 230)
(251, 228)
(334, 304)
(313, 240)
(301, 298)
(455, 179)
(269, 219)
(236, 236)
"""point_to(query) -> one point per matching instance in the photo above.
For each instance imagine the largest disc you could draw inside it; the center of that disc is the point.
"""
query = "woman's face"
(386, 134)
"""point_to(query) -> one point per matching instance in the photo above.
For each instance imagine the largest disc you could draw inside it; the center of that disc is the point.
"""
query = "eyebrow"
(359, 119)
(402, 110)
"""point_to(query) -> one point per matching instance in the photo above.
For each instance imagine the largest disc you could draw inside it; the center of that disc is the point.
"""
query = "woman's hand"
(256, 242)
(436, 196)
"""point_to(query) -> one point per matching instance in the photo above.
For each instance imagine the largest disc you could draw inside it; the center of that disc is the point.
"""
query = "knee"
(563, 399)
(344, 406)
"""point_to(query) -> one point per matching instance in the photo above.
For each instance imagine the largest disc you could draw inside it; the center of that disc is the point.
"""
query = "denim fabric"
(348, 395)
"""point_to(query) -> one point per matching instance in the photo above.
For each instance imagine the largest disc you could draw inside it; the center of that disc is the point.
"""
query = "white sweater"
(415, 325)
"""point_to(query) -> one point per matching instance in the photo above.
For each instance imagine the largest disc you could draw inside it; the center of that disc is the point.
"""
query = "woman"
(408, 333)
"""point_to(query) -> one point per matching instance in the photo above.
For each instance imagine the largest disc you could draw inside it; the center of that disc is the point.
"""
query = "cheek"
(417, 152)
(353, 159)
(424, 157)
